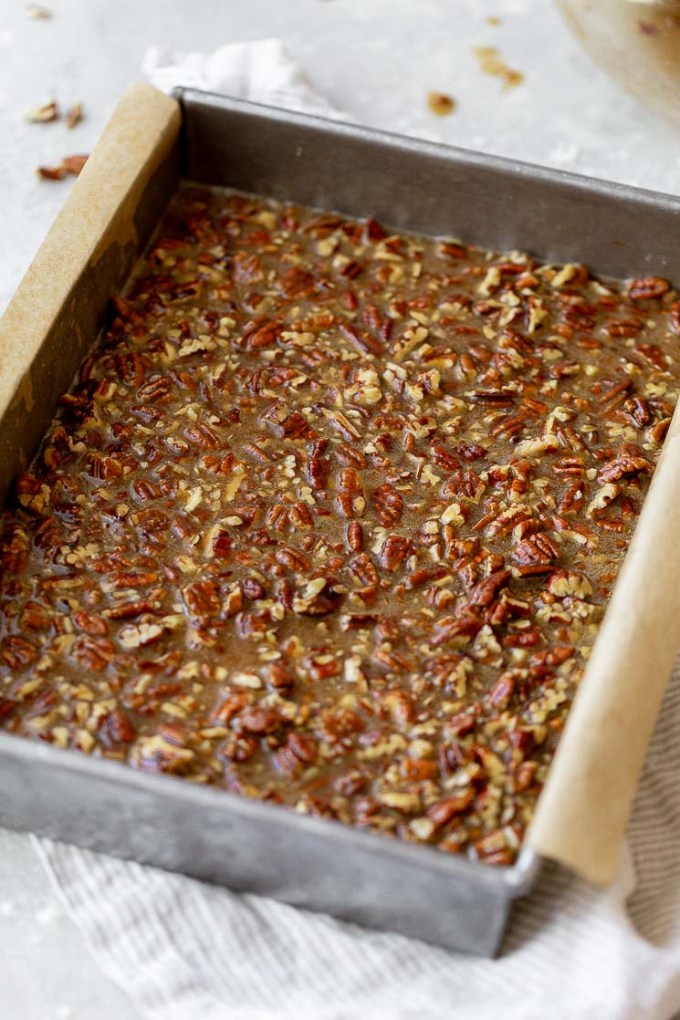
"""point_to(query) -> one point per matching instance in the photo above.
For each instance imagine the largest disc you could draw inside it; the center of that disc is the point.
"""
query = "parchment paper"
(582, 813)
(56, 312)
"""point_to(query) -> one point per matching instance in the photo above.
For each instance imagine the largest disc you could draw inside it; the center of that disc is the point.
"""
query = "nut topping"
(330, 517)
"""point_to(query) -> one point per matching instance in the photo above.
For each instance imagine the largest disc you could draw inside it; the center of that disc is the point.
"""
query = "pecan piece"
(388, 504)
(441, 813)
(230, 706)
(394, 551)
(364, 570)
(259, 720)
(296, 283)
(355, 536)
(484, 593)
(247, 268)
(202, 598)
(294, 559)
(350, 482)
(537, 549)
(18, 652)
(440, 103)
(624, 467)
(117, 728)
(156, 754)
(90, 623)
(450, 628)
(304, 747)
(318, 598)
(94, 654)
(347, 456)
(238, 747)
(647, 288)
(7, 706)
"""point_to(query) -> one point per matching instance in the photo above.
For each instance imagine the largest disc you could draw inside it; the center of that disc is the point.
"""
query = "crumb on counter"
(491, 62)
(74, 115)
(69, 166)
(38, 13)
(44, 114)
(440, 103)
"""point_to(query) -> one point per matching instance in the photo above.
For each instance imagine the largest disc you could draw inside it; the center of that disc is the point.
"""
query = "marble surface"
(46, 972)
(377, 60)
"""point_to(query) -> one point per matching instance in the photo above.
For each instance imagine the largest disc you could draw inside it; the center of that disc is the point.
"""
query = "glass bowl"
(637, 42)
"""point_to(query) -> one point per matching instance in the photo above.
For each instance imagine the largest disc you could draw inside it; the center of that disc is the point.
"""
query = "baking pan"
(153, 141)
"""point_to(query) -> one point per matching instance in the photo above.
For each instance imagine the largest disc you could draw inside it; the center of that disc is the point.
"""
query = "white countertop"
(376, 59)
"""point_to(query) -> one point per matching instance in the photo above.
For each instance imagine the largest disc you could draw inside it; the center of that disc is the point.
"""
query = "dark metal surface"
(257, 847)
(434, 189)
(264, 848)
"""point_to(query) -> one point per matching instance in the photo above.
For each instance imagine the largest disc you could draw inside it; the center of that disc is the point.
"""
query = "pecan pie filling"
(330, 517)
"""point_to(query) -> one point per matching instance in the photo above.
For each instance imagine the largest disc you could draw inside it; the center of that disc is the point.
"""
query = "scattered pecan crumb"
(74, 115)
(52, 173)
(43, 114)
(74, 164)
(69, 165)
(440, 103)
(647, 288)
(491, 62)
(38, 13)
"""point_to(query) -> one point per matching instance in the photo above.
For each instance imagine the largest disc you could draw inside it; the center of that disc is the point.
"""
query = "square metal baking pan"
(150, 145)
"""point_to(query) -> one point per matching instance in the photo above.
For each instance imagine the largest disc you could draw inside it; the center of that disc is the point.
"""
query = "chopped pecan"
(647, 288)
(444, 811)
(259, 720)
(394, 552)
(202, 598)
(624, 467)
(538, 548)
(388, 504)
(484, 593)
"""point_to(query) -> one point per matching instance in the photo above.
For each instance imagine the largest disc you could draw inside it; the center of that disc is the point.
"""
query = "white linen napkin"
(188, 951)
(261, 71)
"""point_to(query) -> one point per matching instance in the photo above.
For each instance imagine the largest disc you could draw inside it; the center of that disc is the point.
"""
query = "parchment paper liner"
(56, 312)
